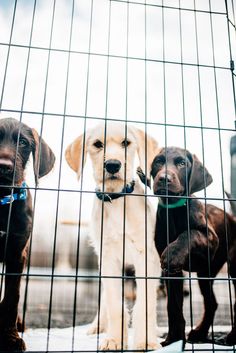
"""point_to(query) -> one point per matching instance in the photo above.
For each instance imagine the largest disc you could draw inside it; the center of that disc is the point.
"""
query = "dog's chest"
(117, 221)
(169, 226)
(5, 218)
(14, 219)
(122, 223)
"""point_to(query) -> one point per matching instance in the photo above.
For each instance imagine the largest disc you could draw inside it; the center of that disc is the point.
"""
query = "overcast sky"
(66, 88)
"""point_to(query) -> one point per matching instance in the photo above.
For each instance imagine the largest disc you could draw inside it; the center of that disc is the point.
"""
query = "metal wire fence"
(163, 66)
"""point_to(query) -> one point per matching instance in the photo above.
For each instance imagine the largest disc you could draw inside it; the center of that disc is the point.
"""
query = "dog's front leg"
(198, 243)
(9, 337)
(99, 324)
(176, 322)
(144, 315)
(117, 335)
(16, 255)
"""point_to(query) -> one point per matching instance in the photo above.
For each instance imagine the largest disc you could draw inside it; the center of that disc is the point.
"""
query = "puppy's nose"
(6, 166)
(165, 178)
(112, 166)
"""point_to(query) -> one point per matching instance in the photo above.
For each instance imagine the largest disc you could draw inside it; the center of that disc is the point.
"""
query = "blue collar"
(21, 195)
(128, 189)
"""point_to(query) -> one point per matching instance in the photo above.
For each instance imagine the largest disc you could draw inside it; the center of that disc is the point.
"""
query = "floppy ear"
(199, 178)
(75, 153)
(43, 157)
(147, 148)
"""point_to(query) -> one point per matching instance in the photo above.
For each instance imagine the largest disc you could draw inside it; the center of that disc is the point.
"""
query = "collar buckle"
(109, 198)
(21, 195)
(9, 199)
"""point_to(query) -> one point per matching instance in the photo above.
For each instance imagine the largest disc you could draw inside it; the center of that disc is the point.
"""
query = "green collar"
(179, 203)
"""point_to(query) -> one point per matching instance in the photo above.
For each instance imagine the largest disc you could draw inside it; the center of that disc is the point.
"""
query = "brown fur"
(193, 237)
(17, 141)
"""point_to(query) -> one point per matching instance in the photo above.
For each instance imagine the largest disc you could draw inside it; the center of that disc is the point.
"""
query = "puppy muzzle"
(167, 183)
(6, 166)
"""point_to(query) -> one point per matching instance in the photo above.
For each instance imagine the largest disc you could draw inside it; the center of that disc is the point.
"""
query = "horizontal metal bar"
(169, 7)
(108, 55)
(133, 194)
(43, 113)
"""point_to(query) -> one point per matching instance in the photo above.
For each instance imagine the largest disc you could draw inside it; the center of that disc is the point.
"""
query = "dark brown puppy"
(190, 236)
(17, 141)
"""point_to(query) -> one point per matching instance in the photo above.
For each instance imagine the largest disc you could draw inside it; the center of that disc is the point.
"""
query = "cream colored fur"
(121, 231)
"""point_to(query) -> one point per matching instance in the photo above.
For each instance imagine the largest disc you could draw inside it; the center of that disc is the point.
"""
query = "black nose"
(6, 166)
(112, 166)
(165, 179)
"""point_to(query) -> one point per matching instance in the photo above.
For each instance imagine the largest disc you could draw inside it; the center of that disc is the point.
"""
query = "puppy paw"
(11, 342)
(197, 335)
(112, 344)
(143, 346)
(171, 339)
(94, 329)
(20, 325)
(231, 338)
(172, 259)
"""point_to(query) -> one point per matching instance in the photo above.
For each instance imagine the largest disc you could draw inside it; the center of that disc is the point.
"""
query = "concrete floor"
(46, 308)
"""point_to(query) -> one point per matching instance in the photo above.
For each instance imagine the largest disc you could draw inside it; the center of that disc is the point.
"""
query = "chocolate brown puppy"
(17, 142)
(192, 236)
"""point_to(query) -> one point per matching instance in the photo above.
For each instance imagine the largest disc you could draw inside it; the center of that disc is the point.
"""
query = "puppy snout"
(6, 166)
(165, 179)
(112, 166)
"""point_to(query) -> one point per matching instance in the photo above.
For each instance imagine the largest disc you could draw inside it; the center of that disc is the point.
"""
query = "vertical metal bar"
(203, 150)
(233, 172)
(1, 100)
(125, 171)
(83, 148)
(18, 136)
(82, 165)
(60, 167)
(8, 54)
(79, 214)
(103, 179)
(221, 163)
(22, 107)
(146, 171)
(165, 127)
(186, 181)
(43, 112)
(232, 64)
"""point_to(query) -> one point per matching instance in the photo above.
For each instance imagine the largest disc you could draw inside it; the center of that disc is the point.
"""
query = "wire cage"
(163, 67)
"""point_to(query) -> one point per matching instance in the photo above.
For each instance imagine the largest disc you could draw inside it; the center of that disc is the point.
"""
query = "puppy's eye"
(159, 161)
(98, 144)
(23, 142)
(181, 163)
(125, 143)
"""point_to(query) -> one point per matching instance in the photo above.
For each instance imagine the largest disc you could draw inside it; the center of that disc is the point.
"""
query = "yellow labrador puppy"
(122, 228)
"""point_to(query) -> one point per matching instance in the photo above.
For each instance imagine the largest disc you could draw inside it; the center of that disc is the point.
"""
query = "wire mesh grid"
(164, 67)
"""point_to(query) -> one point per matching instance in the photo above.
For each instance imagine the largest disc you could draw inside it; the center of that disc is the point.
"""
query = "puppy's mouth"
(172, 191)
(114, 177)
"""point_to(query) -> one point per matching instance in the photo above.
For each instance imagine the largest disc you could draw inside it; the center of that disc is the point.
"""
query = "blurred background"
(65, 65)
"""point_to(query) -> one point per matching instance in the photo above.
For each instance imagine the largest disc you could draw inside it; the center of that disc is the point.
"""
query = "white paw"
(111, 344)
(143, 346)
(93, 329)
